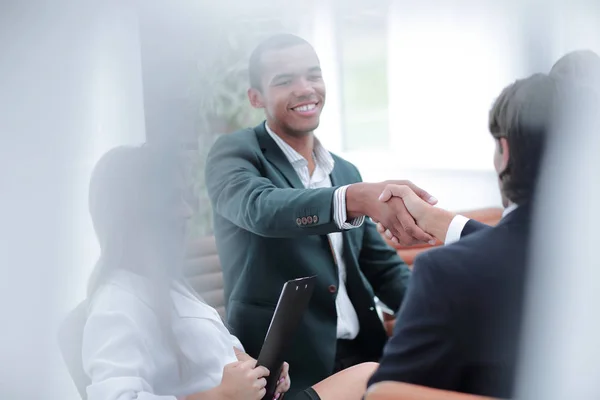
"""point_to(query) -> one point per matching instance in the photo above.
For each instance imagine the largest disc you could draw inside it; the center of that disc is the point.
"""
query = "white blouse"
(127, 356)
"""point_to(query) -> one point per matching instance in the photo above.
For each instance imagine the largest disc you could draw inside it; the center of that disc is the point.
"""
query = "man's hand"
(417, 207)
(363, 199)
(430, 219)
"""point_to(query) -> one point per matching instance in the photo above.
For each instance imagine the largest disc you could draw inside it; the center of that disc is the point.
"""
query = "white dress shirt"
(459, 221)
(124, 350)
(347, 323)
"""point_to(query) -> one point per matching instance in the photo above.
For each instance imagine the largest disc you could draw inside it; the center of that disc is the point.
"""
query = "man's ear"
(255, 97)
(505, 152)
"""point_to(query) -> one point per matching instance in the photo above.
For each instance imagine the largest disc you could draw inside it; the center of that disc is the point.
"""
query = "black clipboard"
(291, 306)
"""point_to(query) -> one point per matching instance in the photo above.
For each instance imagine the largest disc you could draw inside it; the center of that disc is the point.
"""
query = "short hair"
(523, 115)
(276, 42)
(580, 67)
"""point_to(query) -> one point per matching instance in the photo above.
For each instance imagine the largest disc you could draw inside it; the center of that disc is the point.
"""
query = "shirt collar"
(322, 157)
(512, 207)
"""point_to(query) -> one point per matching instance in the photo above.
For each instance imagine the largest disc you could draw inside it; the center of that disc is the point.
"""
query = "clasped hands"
(418, 203)
(400, 209)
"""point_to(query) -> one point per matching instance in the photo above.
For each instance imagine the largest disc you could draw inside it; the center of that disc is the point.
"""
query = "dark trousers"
(347, 354)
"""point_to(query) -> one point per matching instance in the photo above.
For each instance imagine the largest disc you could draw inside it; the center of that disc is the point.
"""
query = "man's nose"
(303, 87)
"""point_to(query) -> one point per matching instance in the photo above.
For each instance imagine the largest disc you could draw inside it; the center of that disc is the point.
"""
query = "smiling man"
(287, 208)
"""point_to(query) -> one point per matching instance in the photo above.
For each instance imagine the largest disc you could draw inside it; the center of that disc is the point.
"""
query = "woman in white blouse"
(148, 335)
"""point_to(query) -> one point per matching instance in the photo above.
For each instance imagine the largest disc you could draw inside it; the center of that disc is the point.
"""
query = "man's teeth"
(307, 107)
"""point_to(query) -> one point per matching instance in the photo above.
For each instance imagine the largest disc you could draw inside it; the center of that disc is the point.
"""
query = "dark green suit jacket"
(259, 204)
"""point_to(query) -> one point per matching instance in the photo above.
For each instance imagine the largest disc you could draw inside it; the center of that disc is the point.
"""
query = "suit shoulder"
(242, 143)
(480, 254)
(241, 137)
(459, 253)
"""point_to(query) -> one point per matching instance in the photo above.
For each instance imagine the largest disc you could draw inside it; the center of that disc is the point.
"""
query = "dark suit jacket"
(458, 328)
(264, 239)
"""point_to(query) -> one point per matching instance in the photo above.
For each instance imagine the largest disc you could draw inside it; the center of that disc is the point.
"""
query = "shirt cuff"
(339, 211)
(455, 229)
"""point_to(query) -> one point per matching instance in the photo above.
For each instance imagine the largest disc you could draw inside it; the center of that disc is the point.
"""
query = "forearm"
(436, 222)
(241, 194)
(275, 212)
(357, 197)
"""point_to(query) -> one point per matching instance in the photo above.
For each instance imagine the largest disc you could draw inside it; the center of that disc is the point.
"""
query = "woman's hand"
(241, 356)
(284, 382)
(243, 380)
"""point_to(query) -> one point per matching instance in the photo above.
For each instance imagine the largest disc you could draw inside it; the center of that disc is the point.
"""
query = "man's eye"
(315, 78)
(283, 83)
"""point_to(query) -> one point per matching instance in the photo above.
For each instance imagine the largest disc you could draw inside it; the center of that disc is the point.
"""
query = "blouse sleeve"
(116, 358)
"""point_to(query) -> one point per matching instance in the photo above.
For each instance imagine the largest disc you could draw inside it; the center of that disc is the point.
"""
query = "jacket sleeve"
(116, 358)
(473, 226)
(240, 194)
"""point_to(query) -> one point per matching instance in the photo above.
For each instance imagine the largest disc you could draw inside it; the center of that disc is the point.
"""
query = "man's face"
(501, 154)
(292, 91)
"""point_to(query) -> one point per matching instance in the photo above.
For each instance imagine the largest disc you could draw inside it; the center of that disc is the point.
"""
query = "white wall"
(447, 64)
(70, 90)
(114, 115)
(444, 73)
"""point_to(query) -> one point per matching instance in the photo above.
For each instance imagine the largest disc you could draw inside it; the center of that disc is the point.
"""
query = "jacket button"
(309, 219)
(298, 221)
(303, 220)
(332, 289)
(315, 219)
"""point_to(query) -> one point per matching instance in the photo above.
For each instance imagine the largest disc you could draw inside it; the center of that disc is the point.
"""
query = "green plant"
(220, 92)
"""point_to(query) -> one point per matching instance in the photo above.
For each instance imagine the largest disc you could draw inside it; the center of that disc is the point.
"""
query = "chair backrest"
(70, 341)
(204, 273)
(405, 391)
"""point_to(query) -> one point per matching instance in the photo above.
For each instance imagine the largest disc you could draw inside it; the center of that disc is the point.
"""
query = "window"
(362, 45)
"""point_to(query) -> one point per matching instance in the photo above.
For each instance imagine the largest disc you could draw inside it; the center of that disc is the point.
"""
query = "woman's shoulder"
(122, 291)
(189, 304)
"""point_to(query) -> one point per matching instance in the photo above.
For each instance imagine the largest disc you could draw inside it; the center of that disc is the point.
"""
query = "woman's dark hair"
(133, 193)
(523, 115)
(580, 67)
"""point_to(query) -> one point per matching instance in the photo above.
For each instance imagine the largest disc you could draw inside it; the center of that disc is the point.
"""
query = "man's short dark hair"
(579, 67)
(277, 42)
(523, 115)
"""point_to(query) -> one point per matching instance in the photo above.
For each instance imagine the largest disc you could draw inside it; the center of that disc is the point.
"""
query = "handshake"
(403, 212)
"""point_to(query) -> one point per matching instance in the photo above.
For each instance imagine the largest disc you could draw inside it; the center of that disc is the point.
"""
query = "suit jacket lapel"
(276, 157)
(338, 178)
